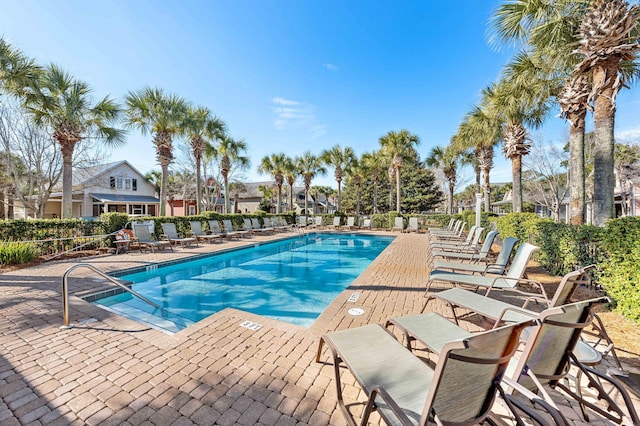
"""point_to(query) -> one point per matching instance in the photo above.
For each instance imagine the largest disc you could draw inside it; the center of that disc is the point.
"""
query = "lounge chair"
(351, 223)
(336, 223)
(470, 243)
(317, 222)
(144, 238)
(550, 349)
(214, 228)
(196, 230)
(366, 224)
(170, 232)
(398, 224)
(230, 232)
(255, 225)
(510, 280)
(413, 225)
(481, 263)
(456, 233)
(405, 390)
(447, 228)
(302, 222)
(284, 224)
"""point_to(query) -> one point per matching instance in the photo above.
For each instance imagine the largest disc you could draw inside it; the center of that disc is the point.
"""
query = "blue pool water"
(292, 280)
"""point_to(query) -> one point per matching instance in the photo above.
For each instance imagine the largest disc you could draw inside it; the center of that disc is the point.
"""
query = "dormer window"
(117, 182)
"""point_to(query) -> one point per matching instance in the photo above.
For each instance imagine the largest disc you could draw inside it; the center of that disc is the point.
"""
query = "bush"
(14, 253)
(621, 280)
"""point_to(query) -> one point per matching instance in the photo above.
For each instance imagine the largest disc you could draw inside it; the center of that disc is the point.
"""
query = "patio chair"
(398, 224)
(170, 232)
(351, 223)
(413, 225)
(336, 223)
(255, 225)
(366, 224)
(447, 228)
(214, 228)
(196, 230)
(481, 261)
(405, 390)
(230, 232)
(144, 238)
(510, 280)
(551, 348)
(470, 243)
(456, 233)
(317, 222)
(302, 222)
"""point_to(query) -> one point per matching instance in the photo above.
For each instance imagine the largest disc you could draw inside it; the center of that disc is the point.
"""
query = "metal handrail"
(65, 290)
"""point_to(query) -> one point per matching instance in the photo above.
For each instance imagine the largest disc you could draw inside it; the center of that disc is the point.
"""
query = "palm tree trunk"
(486, 189)
(279, 206)
(339, 193)
(375, 197)
(227, 204)
(398, 189)
(306, 197)
(67, 182)
(358, 200)
(604, 115)
(198, 186)
(452, 188)
(163, 189)
(576, 173)
(516, 193)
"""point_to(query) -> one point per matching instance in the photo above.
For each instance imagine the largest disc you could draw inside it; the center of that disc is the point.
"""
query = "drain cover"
(355, 312)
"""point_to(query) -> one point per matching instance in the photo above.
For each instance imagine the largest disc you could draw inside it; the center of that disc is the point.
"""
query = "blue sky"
(286, 75)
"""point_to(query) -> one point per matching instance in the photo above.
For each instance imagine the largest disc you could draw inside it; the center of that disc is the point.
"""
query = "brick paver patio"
(110, 370)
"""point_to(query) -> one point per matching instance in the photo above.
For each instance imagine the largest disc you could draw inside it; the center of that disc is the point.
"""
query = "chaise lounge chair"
(230, 232)
(510, 280)
(405, 390)
(398, 224)
(470, 243)
(481, 263)
(214, 228)
(144, 238)
(196, 230)
(336, 223)
(413, 225)
(170, 232)
(255, 225)
(454, 234)
(549, 351)
(351, 224)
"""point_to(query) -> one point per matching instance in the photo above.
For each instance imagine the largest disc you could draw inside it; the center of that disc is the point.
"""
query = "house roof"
(119, 198)
(82, 175)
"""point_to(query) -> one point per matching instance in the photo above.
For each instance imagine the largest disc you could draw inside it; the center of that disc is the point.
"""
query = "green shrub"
(621, 280)
(14, 253)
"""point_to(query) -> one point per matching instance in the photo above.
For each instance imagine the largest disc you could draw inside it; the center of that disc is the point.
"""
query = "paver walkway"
(110, 370)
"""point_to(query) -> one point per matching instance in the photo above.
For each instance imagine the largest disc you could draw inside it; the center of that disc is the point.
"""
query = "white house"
(113, 187)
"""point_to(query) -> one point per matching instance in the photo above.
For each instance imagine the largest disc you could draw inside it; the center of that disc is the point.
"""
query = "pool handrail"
(65, 290)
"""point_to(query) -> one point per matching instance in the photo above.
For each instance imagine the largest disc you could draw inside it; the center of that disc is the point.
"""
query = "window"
(192, 210)
(123, 183)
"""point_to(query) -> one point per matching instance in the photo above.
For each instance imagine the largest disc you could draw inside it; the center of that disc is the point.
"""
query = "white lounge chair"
(196, 230)
(170, 232)
(398, 224)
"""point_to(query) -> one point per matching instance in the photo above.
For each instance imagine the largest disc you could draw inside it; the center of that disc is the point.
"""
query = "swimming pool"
(292, 280)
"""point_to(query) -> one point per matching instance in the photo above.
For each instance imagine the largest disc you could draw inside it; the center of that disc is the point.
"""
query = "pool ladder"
(65, 290)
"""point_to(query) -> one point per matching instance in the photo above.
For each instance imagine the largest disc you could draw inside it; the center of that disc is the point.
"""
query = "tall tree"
(64, 105)
(373, 162)
(309, 166)
(446, 159)
(340, 159)
(605, 42)
(230, 154)
(399, 146)
(18, 73)
(290, 175)
(201, 128)
(152, 111)
(275, 165)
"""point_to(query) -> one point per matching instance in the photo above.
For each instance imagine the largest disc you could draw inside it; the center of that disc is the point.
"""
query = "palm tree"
(550, 28)
(152, 111)
(605, 43)
(341, 159)
(309, 166)
(230, 153)
(446, 159)
(201, 128)
(517, 103)
(65, 106)
(399, 146)
(18, 73)
(373, 162)
(290, 175)
(275, 165)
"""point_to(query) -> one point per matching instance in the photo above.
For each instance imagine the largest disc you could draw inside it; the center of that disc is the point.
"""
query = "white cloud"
(330, 67)
(290, 114)
(282, 101)
(628, 135)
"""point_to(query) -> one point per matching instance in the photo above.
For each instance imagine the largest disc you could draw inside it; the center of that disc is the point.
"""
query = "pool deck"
(111, 370)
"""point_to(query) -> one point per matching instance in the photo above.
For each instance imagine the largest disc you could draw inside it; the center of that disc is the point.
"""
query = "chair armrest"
(380, 391)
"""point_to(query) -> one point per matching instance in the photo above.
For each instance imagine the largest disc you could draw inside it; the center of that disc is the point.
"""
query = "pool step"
(160, 319)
